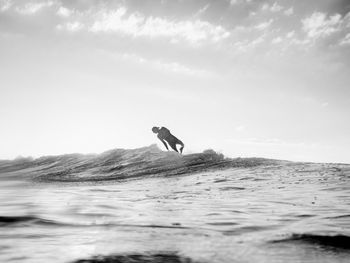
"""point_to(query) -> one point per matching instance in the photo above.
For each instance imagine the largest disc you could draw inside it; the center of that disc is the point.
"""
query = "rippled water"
(281, 212)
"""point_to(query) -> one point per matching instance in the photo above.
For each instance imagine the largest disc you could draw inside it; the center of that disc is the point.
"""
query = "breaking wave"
(138, 258)
(6, 221)
(121, 164)
(332, 241)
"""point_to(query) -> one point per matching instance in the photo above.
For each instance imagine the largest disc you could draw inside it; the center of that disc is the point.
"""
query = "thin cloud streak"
(172, 67)
(32, 8)
(137, 25)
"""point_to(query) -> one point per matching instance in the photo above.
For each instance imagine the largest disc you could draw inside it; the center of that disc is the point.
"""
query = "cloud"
(179, 68)
(235, 2)
(34, 7)
(201, 11)
(265, 7)
(5, 5)
(276, 40)
(240, 128)
(333, 28)
(345, 41)
(257, 41)
(138, 25)
(289, 12)
(169, 67)
(247, 45)
(290, 34)
(276, 7)
(264, 25)
(64, 12)
(71, 26)
(319, 25)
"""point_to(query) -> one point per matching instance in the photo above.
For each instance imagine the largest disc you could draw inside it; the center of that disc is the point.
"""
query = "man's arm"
(166, 146)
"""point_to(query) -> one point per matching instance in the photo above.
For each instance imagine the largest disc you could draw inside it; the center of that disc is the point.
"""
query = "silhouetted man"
(165, 135)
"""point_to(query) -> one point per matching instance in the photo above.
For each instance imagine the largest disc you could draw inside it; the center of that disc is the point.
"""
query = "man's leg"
(182, 145)
(173, 146)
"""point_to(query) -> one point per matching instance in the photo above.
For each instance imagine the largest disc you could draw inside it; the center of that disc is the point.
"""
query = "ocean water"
(145, 205)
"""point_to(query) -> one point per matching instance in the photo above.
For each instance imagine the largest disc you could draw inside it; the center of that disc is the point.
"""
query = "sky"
(247, 78)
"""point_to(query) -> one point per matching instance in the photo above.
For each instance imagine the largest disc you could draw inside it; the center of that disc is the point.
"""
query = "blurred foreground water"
(145, 205)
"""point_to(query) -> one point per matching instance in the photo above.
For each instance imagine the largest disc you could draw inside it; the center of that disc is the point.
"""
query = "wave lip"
(138, 258)
(121, 164)
(332, 241)
(19, 220)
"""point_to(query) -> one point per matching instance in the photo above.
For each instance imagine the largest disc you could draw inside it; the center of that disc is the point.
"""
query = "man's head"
(155, 129)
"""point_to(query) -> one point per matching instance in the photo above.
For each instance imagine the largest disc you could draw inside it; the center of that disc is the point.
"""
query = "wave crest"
(120, 164)
(333, 241)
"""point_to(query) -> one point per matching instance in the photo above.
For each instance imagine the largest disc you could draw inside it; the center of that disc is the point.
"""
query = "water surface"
(162, 207)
